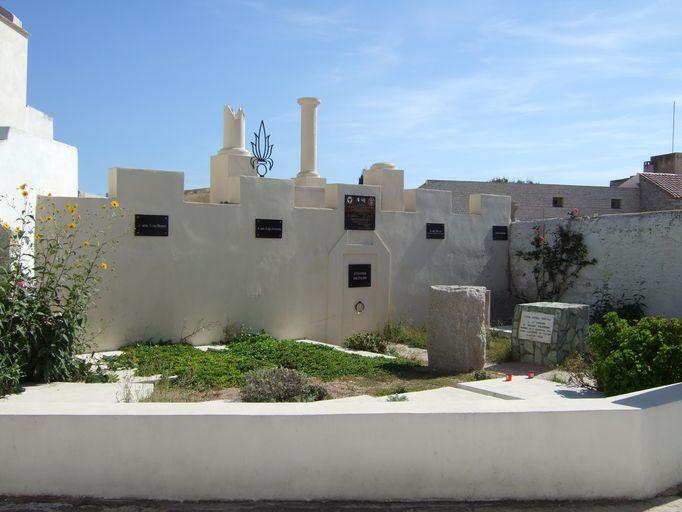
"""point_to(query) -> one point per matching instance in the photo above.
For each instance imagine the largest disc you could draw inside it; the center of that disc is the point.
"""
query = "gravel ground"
(661, 504)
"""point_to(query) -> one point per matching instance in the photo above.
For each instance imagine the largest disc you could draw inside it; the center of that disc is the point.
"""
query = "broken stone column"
(456, 328)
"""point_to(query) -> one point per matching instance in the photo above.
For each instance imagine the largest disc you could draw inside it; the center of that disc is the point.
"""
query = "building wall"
(211, 269)
(28, 153)
(652, 198)
(623, 447)
(13, 73)
(534, 201)
(636, 254)
(670, 163)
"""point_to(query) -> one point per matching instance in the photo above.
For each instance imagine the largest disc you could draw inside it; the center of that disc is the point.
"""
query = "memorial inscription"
(151, 225)
(360, 275)
(268, 228)
(536, 326)
(359, 212)
(435, 231)
(500, 232)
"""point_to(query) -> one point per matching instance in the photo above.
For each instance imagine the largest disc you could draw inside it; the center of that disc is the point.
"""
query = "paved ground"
(662, 504)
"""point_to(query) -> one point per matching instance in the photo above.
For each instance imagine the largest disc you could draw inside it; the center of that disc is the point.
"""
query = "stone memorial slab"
(536, 326)
(151, 225)
(546, 333)
(359, 212)
(435, 231)
(268, 228)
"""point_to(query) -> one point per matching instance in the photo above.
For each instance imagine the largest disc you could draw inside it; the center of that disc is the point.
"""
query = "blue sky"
(557, 92)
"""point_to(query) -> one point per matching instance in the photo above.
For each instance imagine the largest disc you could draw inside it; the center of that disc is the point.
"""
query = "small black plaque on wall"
(268, 228)
(151, 225)
(359, 212)
(359, 275)
(500, 232)
(435, 230)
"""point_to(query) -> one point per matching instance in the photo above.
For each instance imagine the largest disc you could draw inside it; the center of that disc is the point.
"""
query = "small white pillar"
(234, 126)
(308, 175)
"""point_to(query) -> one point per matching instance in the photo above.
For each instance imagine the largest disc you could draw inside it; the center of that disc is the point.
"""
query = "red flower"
(541, 239)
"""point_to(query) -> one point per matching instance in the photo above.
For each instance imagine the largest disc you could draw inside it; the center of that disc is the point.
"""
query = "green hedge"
(630, 356)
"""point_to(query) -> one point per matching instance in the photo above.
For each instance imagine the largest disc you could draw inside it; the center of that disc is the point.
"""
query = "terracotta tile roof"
(670, 183)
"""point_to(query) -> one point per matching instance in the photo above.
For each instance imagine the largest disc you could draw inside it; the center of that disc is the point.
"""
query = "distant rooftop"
(670, 183)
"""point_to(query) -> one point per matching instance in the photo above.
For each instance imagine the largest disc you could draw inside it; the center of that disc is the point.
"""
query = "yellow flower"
(49, 218)
(67, 206)
(17, 230)
(22, 186)
(71, 225)
(114, 204)
(75, 206)
(49, 194)
(38, 237)
(5, 225)
(24, 193)
(86, 243)
(104, 265)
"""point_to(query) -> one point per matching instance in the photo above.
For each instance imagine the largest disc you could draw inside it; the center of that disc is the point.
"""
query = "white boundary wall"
(211, 268)
(623, 447)
(636, 253)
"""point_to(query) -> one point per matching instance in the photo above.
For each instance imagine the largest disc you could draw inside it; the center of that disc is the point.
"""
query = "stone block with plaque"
(546, 333)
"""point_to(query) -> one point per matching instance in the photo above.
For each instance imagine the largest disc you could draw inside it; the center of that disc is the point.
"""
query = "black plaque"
(500, 232)
(359, 275)
(435, 230)
(268, 228)
(151, 225)
(359, 212)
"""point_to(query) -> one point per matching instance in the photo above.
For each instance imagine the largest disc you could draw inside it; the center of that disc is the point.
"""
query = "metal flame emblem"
(262, 151)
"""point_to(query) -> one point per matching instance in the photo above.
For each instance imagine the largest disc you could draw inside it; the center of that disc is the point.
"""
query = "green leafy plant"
(235, 333)
(630, 356)
(404, 334)
(557, 257)
(47, 282)
(10, 375)
(280, 385)
(367, 341)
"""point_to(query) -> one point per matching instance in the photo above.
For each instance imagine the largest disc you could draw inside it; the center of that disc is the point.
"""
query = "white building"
(28, 153)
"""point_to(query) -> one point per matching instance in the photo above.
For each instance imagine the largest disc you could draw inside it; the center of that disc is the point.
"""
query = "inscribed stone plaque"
(536, 326)
(359, 212)
(359, 275)
(151, 225)
(268, 228)
(500, 232)
(435, 230)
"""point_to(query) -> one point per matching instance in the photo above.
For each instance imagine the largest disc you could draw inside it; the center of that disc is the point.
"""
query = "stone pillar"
(456, 328)
(308, 175)
(234, 126)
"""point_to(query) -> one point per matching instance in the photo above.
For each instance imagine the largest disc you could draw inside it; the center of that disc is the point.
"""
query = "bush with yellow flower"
(50, 271)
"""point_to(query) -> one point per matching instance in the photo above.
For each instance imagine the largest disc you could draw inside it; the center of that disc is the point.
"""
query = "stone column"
(308, 174)
(234, 126)
(456, 328)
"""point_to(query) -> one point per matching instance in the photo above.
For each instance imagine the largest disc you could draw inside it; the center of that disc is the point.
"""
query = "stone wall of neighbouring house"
(636, 254)
(534, 201)
(652, 198)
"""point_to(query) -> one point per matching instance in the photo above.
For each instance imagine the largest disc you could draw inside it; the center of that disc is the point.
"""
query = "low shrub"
(630, 356)
(580, 369)
(279, 385)
(404, 334)
(367, 341)
(235, 333)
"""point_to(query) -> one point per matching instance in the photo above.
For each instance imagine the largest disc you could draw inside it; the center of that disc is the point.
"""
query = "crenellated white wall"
(212, 269)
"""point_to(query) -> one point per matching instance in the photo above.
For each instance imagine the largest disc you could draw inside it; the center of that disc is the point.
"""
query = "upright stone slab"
(456, 328)
(546, 333)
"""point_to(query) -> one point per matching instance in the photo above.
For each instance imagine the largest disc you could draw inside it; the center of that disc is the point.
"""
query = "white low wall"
(636, 253)
(622, 447)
